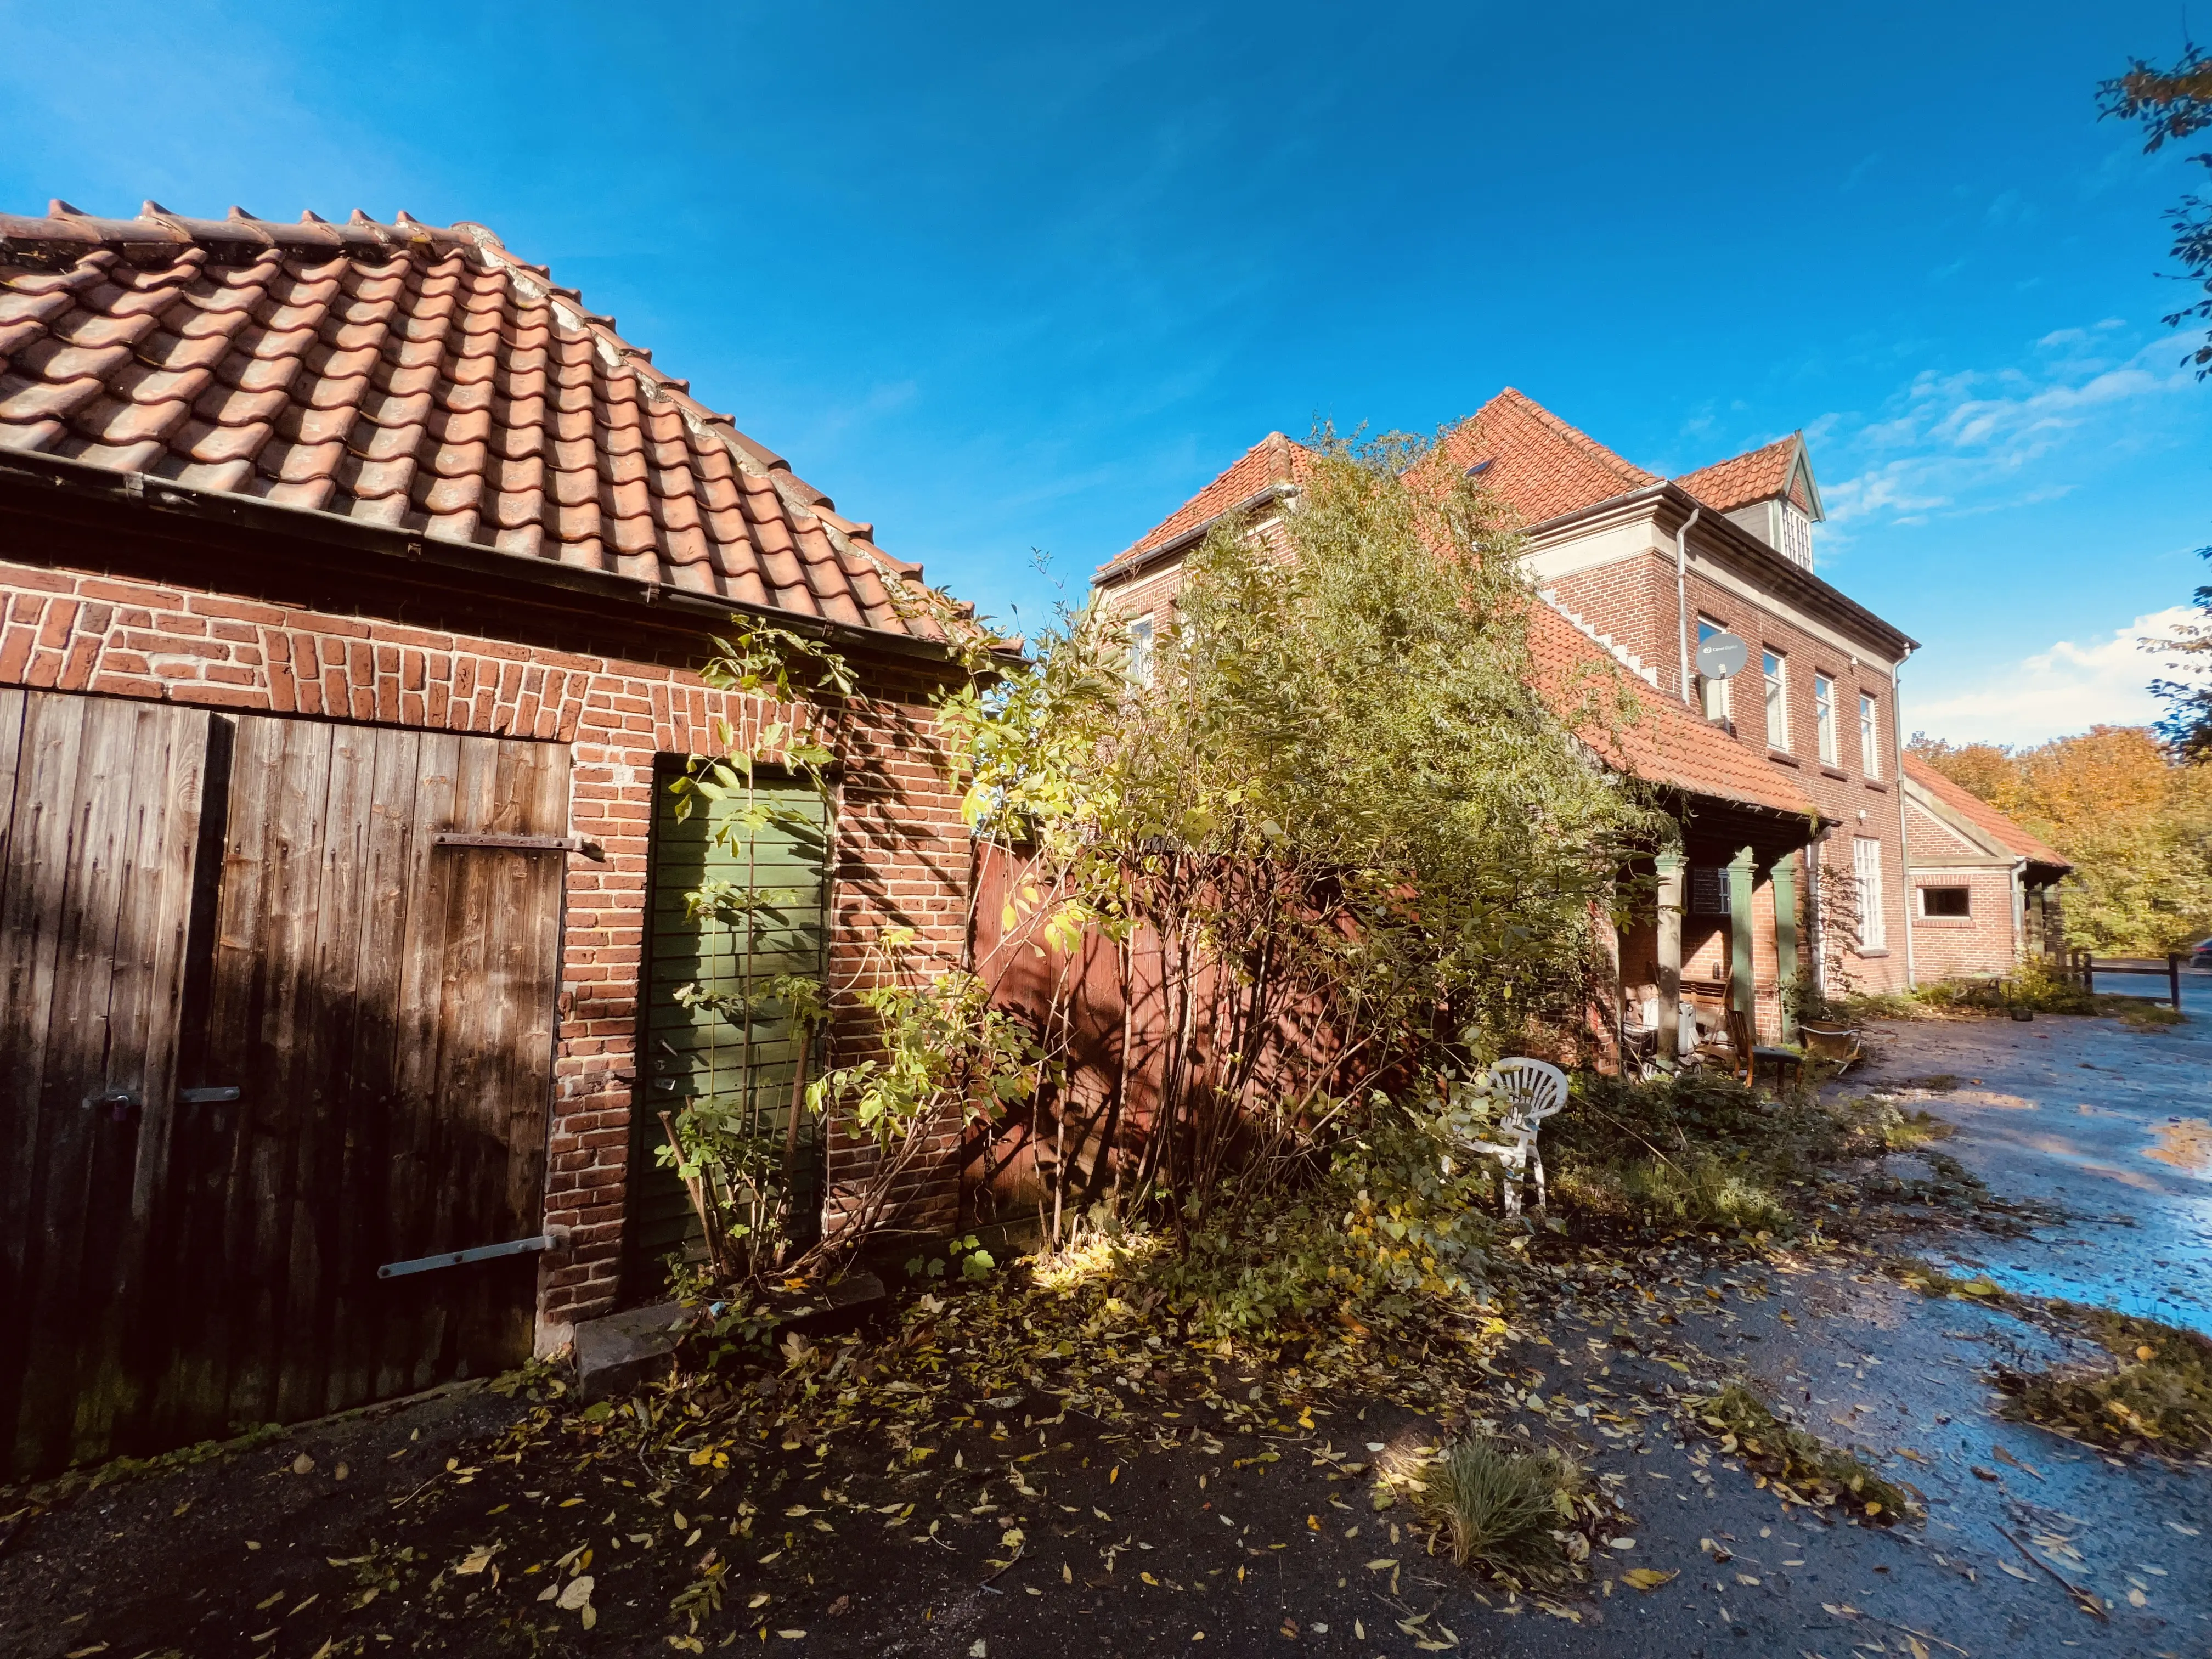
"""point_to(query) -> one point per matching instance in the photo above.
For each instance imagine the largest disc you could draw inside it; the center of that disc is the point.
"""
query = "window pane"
(1824, 716)
(1945, 901)
(1869, 753)
(1865, 870)
(1140, 650)
(1778, 701)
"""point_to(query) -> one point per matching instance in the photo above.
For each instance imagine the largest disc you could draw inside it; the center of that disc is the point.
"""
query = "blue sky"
(1011, 278)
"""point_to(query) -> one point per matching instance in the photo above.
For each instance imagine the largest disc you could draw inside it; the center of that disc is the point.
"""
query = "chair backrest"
(1743, 1035)
(1534, 1089)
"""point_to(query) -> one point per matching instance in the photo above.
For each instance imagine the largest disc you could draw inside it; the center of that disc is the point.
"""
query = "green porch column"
(1785, 934)
(1743, 986)
(1669, 907)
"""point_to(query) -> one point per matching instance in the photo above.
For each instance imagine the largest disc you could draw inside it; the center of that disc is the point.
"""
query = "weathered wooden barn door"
(275, 1015)
(772, 845)
(382, 1001)
(100, 807)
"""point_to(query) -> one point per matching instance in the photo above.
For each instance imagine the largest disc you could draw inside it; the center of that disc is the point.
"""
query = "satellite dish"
(1721, 656)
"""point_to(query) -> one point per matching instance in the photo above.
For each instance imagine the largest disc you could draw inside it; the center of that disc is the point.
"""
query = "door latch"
(117, 1103)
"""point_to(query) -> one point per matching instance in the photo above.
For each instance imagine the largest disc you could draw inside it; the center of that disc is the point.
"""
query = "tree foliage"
(2188, 722)
(2174, 104)
(2134, 817)
(1348, 804)
(1344, 786)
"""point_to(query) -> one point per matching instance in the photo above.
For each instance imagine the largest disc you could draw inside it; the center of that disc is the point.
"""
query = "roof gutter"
(1793, 579)
(1166, 549)
(68, 482)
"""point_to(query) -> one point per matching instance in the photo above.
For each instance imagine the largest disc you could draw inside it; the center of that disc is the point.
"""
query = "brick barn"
(354, 578)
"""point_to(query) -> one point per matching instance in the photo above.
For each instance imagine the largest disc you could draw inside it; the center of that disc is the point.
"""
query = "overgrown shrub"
(2035, 987)
(1698, 1149)
(1399, 1220)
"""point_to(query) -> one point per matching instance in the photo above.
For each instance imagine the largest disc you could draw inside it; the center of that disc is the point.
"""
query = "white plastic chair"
(1532, 1090)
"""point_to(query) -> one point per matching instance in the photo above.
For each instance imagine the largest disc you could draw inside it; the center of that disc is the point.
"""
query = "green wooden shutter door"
(690, 1053)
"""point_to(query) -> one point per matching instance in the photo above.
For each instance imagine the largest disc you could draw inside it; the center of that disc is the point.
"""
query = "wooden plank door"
(100, 807)
(384, 1007)
(775, 844)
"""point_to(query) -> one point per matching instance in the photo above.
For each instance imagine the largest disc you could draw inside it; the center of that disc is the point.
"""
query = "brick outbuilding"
(353, 583)
(1984, 891)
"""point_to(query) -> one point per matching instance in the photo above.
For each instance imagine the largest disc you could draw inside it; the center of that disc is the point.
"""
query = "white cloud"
(2069, 688)
(1950, 445)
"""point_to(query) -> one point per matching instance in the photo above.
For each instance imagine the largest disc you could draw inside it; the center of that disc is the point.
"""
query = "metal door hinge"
(590, 849)
(206, 1097)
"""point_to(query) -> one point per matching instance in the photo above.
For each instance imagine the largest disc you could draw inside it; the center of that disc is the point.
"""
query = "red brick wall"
(1632, 601)
(1945, 947)
(1981, 944)
(902, 852)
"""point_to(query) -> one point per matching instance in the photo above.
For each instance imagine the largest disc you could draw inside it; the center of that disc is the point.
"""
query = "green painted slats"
(696, 1054)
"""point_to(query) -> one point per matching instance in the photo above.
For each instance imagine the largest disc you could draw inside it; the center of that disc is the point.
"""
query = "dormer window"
(1796, 536)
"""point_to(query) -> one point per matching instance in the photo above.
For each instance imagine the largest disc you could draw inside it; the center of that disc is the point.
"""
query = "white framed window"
(1824, 716)
(1869, 738)
(1712, 694)
(1866, 876)
(1797, 536)
(1776, 669)
(1140, 650)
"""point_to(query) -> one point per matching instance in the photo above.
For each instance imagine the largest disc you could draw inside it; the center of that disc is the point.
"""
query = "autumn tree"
(2174, 104)
(2188, 722)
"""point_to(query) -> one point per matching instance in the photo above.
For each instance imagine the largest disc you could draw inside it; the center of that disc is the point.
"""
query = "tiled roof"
(1669, 743)
(1274, 460)
(1760, 475)
(1537, 462)
(411, 376)
(1984, 817)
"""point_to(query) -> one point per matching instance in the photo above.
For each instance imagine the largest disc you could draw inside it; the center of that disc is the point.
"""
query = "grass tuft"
(1497, 1508)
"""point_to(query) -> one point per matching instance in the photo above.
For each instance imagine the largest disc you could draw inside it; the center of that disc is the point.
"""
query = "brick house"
(354, 578)
(1640, 568)
(1983, 890)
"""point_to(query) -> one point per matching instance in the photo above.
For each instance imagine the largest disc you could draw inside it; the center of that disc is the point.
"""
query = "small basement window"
(1940, 902)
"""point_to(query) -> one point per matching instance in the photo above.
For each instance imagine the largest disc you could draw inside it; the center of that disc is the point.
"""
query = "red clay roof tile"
(413, 376)
(1537, 463)
(1274, 460)
(1978, 812)
(1761, 474)
(1669, 743)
